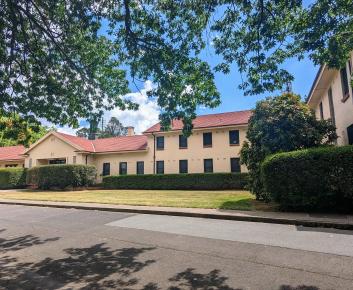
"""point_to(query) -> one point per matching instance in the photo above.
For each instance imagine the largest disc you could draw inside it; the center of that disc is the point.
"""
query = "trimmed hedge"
(313, 179)
(12, 178)
(61, 176)
(193, 181)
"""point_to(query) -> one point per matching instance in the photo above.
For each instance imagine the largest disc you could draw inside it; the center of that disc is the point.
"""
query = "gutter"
(154, 153)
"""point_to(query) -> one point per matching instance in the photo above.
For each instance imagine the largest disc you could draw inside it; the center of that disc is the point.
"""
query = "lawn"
(241, 200)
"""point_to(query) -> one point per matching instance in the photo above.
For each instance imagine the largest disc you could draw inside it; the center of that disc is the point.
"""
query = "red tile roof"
(122, 143)
(115, 144)
(83, 143)
(209, 121)
(12, 153)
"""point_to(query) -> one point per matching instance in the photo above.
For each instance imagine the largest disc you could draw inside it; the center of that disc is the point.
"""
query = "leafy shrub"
(195, 181)
(61, 176)
(281, 124)
(12, 178)
(313, 179)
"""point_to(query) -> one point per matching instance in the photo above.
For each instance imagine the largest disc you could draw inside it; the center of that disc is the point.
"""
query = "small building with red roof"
(214, 146)
(12, 156)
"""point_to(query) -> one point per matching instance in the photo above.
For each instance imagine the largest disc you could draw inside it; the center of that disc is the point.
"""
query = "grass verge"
(239, 200)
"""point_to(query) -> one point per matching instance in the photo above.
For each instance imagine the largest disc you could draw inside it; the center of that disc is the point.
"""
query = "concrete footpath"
(344, 222)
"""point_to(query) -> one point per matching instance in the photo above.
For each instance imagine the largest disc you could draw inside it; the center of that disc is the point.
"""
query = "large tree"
(56, 64)
(15, 130)
(281, 124)
(114, 128)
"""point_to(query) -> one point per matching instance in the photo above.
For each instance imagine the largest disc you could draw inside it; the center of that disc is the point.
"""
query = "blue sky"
(232, 98)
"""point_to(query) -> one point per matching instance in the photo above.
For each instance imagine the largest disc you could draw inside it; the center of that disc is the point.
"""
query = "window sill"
(207, 146)
(345, 98)
(234, 144)
(183, 147)
(160, 149)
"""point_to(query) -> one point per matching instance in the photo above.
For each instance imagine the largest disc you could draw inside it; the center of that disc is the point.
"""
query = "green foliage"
(319, 179)
(15, 130)
(61, 176)
(12, 178)
(281, 124)
(60, 63)
(113, 128)
(192, 181)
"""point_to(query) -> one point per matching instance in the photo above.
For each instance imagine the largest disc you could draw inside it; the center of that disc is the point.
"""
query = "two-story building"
(331, 97)
(214, 146)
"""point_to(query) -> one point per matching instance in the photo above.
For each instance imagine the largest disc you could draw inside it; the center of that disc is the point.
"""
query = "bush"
(61, 176)
(313, 179)
(12, 178)
(194, 181)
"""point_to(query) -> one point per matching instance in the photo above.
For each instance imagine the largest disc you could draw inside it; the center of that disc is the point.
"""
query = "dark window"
(160, 167)
(57, 161)
(207, 139)
(234, 164)
(140, 167)
(106, 169)
(10, 165)
(332, 108)
(183, 141)
(160, 142)
(208, 165)
(321, 111)
(234, 137)
(122, 168)
(350, 134)
(183, 166)
(344, 83)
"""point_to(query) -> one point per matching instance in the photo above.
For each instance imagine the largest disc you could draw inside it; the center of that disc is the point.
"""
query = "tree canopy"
(113, 128)
(15, 130)
(281, 124)
(64, 60)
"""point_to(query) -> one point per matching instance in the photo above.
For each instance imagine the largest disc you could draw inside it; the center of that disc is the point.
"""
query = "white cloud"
(67, 130)
(144, 117)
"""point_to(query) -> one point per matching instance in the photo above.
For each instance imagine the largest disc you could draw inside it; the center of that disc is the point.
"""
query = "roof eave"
(316, 81)
(200, 128)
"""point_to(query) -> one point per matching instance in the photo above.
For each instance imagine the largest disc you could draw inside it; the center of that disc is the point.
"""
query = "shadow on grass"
(242, 204)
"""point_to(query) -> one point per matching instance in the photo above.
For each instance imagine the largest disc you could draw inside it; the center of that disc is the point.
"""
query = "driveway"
(49, 248)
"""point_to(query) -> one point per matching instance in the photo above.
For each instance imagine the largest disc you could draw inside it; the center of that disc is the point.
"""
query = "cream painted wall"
(51, 148)
(343, 110)
(220, 152)
(114, 159)
(18, 163)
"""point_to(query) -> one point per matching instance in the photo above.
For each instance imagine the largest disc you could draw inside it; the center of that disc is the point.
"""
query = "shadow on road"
(302, 287)
(22, 242)
(189, 279)
(323, 230)
(98, 267)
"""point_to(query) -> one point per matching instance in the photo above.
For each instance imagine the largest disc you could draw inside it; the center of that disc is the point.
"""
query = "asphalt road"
(48, 248)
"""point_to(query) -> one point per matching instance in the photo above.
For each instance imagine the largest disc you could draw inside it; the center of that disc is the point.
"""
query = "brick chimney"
(130, 131)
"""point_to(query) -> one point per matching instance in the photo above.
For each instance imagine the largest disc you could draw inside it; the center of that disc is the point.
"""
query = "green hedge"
(12, 178)
(314, 179)
(61, 176)
(192, 181)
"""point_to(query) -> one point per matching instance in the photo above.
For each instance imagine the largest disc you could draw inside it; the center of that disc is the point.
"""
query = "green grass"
(241, 200)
